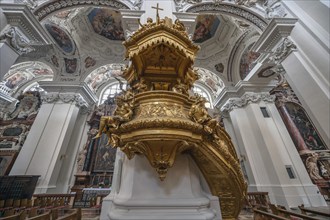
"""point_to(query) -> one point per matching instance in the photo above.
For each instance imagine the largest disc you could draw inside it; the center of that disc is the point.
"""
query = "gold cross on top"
(157, 14)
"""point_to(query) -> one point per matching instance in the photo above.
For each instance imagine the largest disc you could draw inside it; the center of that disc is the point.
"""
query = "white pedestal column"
(137, 192)
(267, 151)
(47, 147)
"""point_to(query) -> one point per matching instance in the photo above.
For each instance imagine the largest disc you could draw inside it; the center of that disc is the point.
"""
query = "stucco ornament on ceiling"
(23, 73)
(211, 80)
(101, 75)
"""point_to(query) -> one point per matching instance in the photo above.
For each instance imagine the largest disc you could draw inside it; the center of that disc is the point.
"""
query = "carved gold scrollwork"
(161, 110)
(160, 153)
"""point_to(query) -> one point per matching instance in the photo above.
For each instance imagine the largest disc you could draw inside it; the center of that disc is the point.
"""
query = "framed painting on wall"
(7, 159)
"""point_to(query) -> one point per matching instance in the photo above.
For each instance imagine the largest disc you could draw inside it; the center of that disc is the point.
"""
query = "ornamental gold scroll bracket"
(160, 153)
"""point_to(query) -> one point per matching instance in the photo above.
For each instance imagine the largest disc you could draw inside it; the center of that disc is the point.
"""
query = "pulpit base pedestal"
(137, 192)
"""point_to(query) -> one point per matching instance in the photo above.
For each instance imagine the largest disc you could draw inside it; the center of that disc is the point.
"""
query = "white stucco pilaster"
(266, 149)
(49, 144)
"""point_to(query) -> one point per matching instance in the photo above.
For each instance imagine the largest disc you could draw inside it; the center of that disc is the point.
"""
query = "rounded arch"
(200, 89)
(103, 75)
(210, 80)
(110, 90)
(23, 75)
(50, 7)
(245, 14)
(244, 41)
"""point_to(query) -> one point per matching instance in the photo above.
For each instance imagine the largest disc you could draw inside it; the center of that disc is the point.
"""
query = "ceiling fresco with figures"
(87, 38)
(206, 27)
(107, 23)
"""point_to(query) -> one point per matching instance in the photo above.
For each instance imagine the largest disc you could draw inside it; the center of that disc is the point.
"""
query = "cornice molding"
(240, 89)
(247, 98)
(19, 15)
(65, 98)
(66, 92)
(276, 31)
(52, 6)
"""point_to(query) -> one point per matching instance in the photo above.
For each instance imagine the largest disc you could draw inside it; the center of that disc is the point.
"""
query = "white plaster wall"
(308, 69)
(65, 179)
(314, 98)
(3, 20)
(268, 148)
(29, 148)
(302, 185)
(7, 58)
(48, 141)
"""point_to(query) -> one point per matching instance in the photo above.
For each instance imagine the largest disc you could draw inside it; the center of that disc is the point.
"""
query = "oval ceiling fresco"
(206, 26)
(61, 37)
(107, 23)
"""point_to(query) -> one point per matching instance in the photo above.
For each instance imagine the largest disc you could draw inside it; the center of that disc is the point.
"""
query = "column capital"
(240, 89)
(247, 98)
(65, 92)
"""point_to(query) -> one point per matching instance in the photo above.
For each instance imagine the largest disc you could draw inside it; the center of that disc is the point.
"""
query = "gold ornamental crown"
(161, 51)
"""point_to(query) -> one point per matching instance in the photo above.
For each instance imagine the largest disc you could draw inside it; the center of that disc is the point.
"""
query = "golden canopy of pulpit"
(159, 117)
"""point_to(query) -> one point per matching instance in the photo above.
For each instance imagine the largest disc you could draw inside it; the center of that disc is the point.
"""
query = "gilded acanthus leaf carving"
(161, 110)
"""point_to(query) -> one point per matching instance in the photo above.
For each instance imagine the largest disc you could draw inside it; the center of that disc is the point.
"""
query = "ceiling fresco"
(61, 38)
(104, 73)
(107, 23)
(206, 27)
(247, 61)
(21, 73)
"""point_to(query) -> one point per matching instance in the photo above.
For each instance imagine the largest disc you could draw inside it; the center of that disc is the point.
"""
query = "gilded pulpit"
(179, 162)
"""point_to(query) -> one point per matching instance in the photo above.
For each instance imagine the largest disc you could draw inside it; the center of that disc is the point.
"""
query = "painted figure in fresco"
(15, 80)
(106, 23)
(305, 127)
(202, 31)
(61, 38)
(70, 65)
(89, 62)
(205, 28)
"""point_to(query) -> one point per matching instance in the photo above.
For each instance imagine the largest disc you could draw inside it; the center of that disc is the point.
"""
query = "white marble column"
(266, 149)
(51, 147)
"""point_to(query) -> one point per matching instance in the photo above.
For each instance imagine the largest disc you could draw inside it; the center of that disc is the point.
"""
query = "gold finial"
(157, 14)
